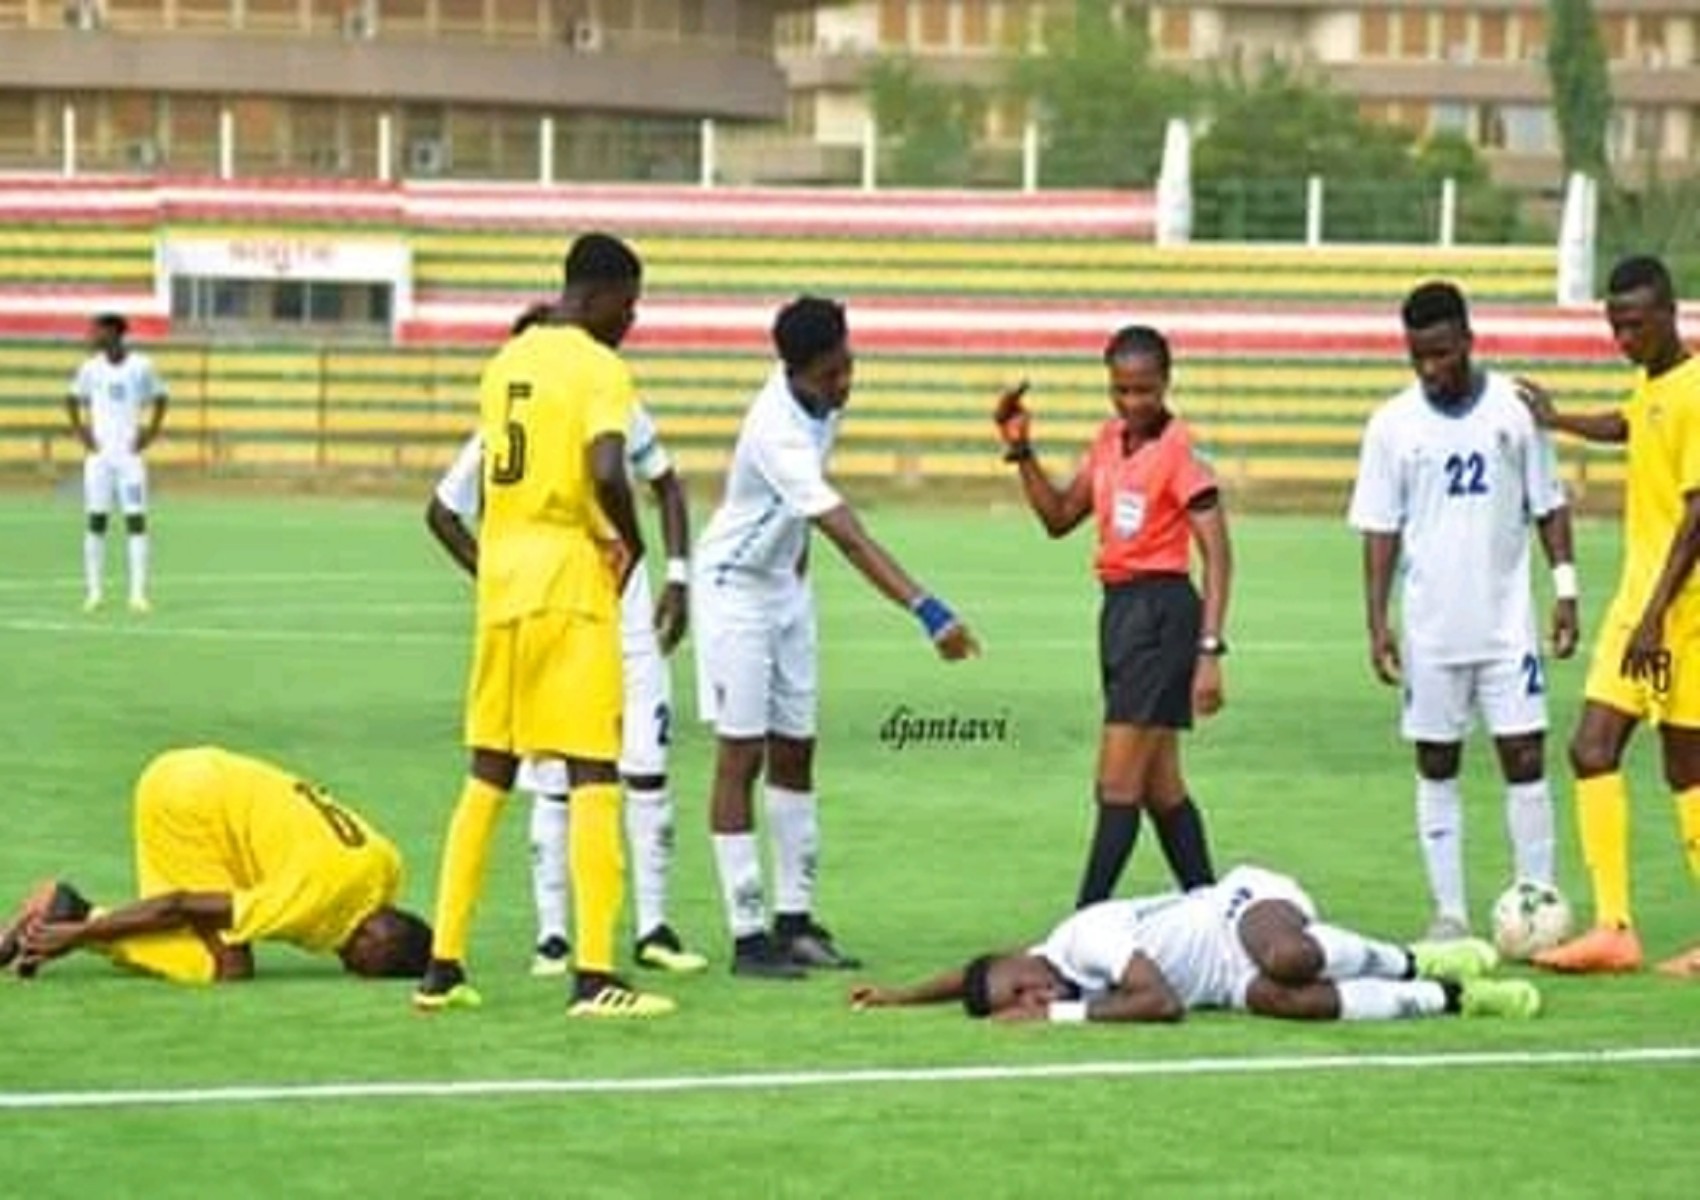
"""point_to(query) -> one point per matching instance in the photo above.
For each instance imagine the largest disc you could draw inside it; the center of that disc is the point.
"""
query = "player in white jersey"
(755, 641)
(649, 632)
(114, 384)
(1452, 472)
(1251, 942)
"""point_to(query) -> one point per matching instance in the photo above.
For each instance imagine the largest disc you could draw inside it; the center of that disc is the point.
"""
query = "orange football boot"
(1600, 951)
(1684, 966)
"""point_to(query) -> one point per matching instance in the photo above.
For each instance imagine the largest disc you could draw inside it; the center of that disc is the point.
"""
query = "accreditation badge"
(1128, 514)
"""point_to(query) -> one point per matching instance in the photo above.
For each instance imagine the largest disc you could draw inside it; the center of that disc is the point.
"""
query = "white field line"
(898, 642)
(796, 1080)
(54, 583)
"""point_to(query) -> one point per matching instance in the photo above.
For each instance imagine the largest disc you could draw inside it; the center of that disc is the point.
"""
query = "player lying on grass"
(1252, 942)
(231, 851)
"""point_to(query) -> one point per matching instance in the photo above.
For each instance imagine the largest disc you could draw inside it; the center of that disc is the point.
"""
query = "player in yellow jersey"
(1646, 664)
(557, 541)
(230, 851)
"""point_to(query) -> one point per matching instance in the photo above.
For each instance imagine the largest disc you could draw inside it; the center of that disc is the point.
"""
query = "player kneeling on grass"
(1252, 942)
(231, 851)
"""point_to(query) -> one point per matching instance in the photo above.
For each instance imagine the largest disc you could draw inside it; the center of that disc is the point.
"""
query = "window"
(1614, 32)
(1452, 118)
(976, 28)
(464, 17)
(1373, 34)
(1529, 129)
(1455, 35)
(1490, 36)
(1413, 34)
(1531, 35)
(935, 22)
(1174, 32)
(894, 24)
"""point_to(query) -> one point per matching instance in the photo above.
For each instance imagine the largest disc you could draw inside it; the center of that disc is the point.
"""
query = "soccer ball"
(1528, 918)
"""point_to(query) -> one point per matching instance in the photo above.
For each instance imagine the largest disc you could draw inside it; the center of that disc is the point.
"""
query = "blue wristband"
(934, 614)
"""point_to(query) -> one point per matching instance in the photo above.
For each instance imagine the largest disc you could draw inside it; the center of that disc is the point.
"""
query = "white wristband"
(1564, 584)
(678, 570)
(1066, 1010)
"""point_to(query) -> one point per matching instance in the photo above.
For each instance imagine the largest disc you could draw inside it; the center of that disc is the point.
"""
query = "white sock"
(793, 824)
(549, 864)
(1528, 815)
(1440, 831)
(1387, 1000)
(137, 545)
(1348, 955)
(649, 830)
(738, 862)
(94, 561)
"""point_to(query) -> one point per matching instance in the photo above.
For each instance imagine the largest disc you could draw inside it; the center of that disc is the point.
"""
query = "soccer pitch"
(332, 636)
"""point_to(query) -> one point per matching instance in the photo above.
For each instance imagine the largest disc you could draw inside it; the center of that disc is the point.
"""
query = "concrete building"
(573, 89)
(1473, 66)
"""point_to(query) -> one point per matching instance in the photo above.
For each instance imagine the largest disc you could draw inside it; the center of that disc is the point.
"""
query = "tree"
(1267, 133)
(1102, 104)
(927, 127)
(1581, 88)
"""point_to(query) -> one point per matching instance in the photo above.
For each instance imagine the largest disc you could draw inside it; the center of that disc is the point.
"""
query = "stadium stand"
(1283, 349)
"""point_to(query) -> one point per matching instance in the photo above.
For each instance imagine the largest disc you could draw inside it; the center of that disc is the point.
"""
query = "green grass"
(331, 636)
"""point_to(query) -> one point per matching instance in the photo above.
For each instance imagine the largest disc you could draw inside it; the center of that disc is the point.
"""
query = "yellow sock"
(1602, 812)
(1688, 820)
(597, 858)
(460, 878)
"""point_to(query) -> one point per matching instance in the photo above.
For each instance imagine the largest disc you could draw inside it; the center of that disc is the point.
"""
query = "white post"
(1448, 211)
(1030, 156)
(68, 139)
(708, 168)
(870, 154)
(546, 151)
(1313, 211)
(226, 143)
(386, 149)
(1576, 242)
(1174, 186)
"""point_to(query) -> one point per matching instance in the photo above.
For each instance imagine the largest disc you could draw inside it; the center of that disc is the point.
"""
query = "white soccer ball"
(1528, 918)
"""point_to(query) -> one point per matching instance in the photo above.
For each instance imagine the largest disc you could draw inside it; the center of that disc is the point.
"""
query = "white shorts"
(109, 475)
(647, 723)
(756, 660)
(1233, 894)
(1440, 699)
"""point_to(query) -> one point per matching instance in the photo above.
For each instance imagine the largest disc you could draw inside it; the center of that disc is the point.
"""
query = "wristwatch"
(1212, 645)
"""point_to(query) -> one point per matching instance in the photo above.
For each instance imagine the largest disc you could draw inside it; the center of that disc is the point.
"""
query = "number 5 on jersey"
(508, 465)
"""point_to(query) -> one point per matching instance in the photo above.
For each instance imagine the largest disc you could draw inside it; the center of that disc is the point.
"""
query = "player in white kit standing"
(1251, 942)
(114, 384)
(647, 633)
(755, 637)
(1451, 474)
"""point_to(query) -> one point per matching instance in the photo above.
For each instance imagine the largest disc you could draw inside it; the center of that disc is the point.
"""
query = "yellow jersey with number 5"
(1663, 467)
(544, 397)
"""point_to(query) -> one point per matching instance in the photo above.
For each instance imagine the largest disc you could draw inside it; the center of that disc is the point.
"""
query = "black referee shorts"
(1147, 651)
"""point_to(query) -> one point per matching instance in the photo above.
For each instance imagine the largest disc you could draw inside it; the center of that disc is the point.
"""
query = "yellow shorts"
(178, 848)
(1670, 697)
(548, 683)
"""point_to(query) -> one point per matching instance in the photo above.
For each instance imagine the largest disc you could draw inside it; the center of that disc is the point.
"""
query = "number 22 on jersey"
(507, 466)
(1466, 474)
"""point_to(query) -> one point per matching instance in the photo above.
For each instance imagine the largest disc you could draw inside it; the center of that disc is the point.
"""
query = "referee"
(1160, 643)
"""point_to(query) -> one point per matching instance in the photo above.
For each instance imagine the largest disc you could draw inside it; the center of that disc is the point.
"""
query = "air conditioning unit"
(360, 23)
(587, 36)
(82, 15)
(427, 156)
(142, 154)
(328, 160)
